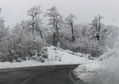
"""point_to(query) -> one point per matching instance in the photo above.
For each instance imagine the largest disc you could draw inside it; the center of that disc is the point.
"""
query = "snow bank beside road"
(86, 72)
(102, 71)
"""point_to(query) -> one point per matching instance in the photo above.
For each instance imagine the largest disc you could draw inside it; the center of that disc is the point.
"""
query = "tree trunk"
(72, 29)
(54, 39)
(33, 24)
(57, 31)
(41, 34)
(39, 30)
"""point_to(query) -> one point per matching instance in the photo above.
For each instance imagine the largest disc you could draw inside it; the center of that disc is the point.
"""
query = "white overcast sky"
(14, 11)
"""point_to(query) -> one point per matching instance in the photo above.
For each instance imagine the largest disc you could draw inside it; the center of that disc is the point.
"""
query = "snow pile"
(87, 72)
(61, 56)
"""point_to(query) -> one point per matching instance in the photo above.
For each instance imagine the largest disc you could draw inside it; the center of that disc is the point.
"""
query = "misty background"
(84, 26)
(14, 11)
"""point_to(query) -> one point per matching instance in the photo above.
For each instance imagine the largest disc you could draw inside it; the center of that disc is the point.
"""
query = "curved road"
(60, 74)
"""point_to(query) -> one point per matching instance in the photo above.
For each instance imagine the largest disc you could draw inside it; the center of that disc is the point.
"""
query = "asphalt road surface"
(60, 74)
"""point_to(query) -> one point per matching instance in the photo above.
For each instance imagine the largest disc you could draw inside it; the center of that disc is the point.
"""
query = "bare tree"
(70, 21)
(34, 12)
(54, 19)
(96, 23)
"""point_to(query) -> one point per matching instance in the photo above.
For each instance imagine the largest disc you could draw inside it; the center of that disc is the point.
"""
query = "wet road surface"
(60, 74)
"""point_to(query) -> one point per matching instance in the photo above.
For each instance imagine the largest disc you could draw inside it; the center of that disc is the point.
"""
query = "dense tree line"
(28, 37)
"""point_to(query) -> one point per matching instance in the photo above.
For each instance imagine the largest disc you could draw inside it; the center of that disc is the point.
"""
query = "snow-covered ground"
(88, 67)
(55, 57)
(104, 71)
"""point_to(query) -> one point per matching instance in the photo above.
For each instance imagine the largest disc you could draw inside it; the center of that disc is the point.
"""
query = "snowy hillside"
(55, 57)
